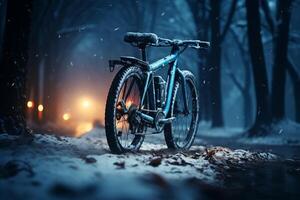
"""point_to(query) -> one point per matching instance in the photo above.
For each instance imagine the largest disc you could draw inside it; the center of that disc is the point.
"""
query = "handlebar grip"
(204, 45)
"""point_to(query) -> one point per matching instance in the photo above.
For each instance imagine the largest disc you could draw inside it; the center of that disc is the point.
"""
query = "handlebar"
(196, 44)
(144, 39)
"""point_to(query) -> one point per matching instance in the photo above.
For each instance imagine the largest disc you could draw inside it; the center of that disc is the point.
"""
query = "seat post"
(143, 51)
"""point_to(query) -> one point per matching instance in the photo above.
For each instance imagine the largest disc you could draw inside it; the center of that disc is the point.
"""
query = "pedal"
(166, 121)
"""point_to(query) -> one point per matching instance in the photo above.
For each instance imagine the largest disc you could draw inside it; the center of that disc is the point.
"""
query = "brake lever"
(194, 46)
(198, 47)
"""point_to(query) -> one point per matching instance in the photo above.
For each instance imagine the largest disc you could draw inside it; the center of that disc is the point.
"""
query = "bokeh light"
(66, 116)
(29, 104)
(40, 108)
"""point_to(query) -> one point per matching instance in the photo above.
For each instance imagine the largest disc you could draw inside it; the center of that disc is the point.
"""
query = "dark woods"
(30, 30)
(14, 57)
(270, 104)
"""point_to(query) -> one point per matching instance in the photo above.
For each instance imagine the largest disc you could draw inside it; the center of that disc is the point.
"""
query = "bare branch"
(229, 19)
(234, 79)
(268, 16)
(291, 68)
(76, 29)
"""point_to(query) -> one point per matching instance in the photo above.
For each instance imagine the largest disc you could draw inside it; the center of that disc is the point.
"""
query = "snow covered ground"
(283, 133)
(47, 167)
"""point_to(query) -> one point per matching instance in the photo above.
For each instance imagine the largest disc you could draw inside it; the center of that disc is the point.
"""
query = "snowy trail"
(53, 166)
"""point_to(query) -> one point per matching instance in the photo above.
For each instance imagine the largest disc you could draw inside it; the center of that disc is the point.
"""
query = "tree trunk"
(215, 64)
(202, 25)
(258, 66)
(247, 108)
(50, 92)
(297, 101)
(281, 38)
(295, 78)
(199, 13)
(13, 66)
(2, 23)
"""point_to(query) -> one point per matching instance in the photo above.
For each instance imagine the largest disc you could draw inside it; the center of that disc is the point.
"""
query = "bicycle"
(138, 99)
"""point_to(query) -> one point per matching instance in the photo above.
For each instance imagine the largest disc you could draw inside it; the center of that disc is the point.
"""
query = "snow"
(220, 132)
(283, 133)
(52, 166)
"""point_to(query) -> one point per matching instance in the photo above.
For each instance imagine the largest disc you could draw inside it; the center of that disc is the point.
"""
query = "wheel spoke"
(129, 90)
(129, 94)
(182, 126)
(124, 89)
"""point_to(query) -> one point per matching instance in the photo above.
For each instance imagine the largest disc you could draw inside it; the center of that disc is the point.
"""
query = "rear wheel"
(180, 134)
(123, 100)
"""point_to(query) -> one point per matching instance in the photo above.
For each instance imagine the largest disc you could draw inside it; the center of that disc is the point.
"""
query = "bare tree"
(200, 15)
(210, 77)
(244, 88)
(2, 22)
(295, 77)
(282, 62)
(259, 67)
(52, 20)
(13, 66)
(281, 38)
(215, 64)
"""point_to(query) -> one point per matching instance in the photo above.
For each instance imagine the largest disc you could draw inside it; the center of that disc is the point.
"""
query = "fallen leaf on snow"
(120, 164)
(155, 162)
(89, 160)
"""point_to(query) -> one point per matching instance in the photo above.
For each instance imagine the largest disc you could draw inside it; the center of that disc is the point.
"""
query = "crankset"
(160, 120)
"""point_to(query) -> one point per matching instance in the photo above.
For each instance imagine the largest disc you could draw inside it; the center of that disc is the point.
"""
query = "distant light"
(83, 128)
(29, 104)
(128, 103)
(86, 103)
(66, 116)
(40, 108)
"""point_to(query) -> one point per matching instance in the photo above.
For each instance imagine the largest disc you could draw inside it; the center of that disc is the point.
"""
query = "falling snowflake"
(171, 20)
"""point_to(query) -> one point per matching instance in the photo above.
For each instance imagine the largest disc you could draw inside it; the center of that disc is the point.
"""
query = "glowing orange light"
(122, 125)
(83, 128)
(40, 108)
(66, 116)
(128, 103)
(29, 104)
(86, 103)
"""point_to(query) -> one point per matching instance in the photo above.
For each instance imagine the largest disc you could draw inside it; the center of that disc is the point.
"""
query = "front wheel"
(123, 100)
(180, 134)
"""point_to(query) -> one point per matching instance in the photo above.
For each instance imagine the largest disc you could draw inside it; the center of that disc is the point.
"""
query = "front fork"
(184, 92)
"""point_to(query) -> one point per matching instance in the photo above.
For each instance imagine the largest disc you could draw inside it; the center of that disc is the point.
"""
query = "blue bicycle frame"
(170, 60)
(149, 69)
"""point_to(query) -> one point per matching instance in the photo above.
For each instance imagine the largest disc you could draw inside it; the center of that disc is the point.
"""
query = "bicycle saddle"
(141, 38)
